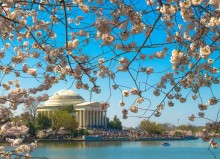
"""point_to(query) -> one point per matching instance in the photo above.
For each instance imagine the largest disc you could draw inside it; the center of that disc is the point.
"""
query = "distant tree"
(32, 110)
(151, 127)
(115, 123)
(31, 129)
(43, 122)
(178, 133)
(167, 126)
(200, 128)
(6, 115)
(70, 109)
(62, 118)
(108, 123)
(25, 117)
(190, 128)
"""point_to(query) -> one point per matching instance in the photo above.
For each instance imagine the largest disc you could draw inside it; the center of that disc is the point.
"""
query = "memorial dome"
(64, 98)
(66, 94)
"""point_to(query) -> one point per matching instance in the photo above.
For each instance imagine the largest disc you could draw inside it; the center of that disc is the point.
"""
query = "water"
(194, 149)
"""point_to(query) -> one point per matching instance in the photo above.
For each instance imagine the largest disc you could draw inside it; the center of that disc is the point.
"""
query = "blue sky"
(176, 115)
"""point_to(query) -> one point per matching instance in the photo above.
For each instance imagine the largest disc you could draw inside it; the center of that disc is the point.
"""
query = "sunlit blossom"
(192, 117)
(107, 39)
(140, 100)
(125, 93)
(205, 52)
(134, 109)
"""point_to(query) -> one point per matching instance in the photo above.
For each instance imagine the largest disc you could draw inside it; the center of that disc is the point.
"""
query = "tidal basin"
(189, 149)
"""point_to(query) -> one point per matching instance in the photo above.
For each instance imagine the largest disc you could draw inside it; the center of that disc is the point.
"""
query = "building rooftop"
(63, 98)
(65, 94)
(87, 103)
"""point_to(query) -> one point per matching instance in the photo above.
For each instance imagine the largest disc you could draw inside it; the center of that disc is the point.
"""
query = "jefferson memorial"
(88, 114)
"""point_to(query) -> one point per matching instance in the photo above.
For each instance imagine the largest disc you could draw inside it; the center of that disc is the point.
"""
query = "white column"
(90, 118)
(96, 118)
(88, 122)
(93, 118)
(102, 119)
(84, 118)
(87, 119)
(80, 118)
(76, 117)
(105, 120)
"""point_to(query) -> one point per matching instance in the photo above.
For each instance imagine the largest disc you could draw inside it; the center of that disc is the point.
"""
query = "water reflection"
(195, 149)
(183, 143)
(81, 144)
(150, 143)
(98, 144)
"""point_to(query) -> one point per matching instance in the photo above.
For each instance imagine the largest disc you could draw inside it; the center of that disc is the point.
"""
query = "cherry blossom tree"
(86, 42)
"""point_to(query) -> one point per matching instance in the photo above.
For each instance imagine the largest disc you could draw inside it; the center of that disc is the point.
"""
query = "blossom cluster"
(51, 42)
(124, 64)
(13, 128)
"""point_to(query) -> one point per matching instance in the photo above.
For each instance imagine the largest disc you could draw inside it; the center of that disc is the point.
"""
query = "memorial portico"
(88, 114)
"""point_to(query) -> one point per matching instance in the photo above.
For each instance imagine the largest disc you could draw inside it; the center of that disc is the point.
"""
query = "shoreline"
(99, 139)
